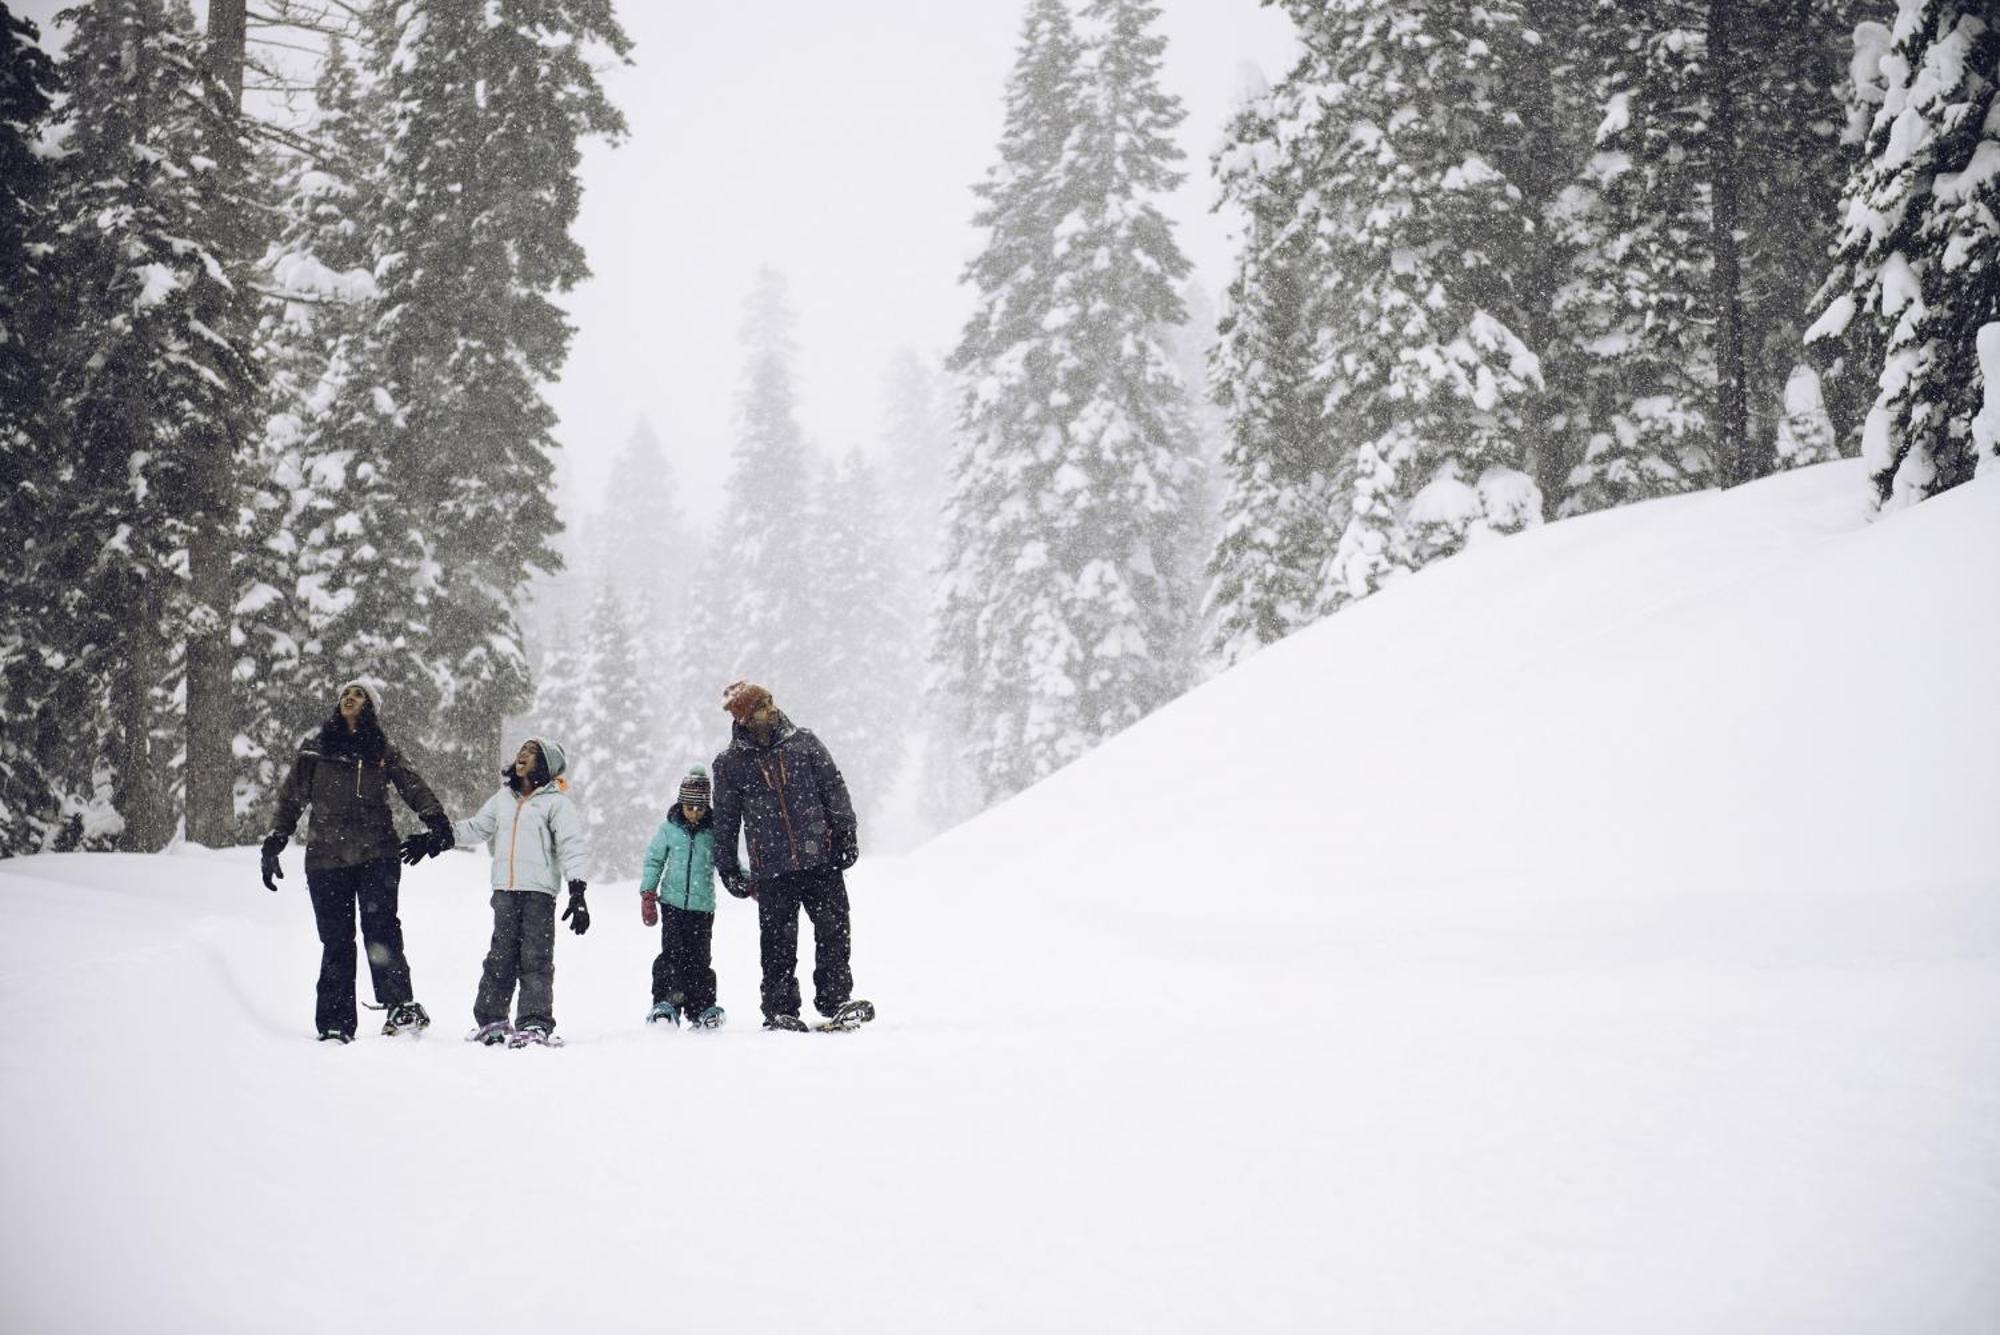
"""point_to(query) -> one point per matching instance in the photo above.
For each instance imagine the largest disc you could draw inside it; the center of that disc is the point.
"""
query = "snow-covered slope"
(1599, 932)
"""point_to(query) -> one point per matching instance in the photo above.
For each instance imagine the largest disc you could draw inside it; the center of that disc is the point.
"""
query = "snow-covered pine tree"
(1920, 252)
(1636, 306)
(1067, 596)
(488, 100)
(693, 670)
(290, 568)
(917, 448)
(156, 378)
(1122, 513)
(560, 681)
(1794, 159)
(639, 544)
(998, 581)
(1284, 473)
(37, 771)
(765, 555)
(867, 698)
(620, 784)
(1426, 359)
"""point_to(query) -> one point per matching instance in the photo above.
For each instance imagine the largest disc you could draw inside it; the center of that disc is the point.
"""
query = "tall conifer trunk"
(141, 796)
(211, 713)
(1732, 395)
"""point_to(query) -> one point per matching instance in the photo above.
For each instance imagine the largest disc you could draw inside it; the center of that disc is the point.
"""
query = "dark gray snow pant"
(336, 892)
(524, 951)
(822, 893)
(682, 973)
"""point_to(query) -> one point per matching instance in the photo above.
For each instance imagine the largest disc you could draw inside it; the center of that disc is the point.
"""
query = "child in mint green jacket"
(677, 891)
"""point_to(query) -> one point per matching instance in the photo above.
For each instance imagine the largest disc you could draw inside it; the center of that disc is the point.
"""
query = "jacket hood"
(743, 736)
(680, 819)
(553, 756)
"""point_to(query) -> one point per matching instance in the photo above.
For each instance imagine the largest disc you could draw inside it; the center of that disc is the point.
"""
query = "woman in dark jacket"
(344, 773)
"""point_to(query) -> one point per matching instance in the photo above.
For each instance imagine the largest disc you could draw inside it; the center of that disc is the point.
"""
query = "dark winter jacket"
(680, 863)
(348, 791)
(788, 799)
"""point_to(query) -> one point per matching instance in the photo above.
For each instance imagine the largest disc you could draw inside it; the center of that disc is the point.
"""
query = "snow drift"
(1597, 932)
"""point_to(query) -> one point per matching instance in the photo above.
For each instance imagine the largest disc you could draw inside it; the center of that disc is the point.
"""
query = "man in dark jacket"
(779, 787)
(344, 773)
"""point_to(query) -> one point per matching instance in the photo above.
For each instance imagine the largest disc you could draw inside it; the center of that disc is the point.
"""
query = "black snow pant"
(822, 893)
(336, 892)
(523, 951)
(682, 974)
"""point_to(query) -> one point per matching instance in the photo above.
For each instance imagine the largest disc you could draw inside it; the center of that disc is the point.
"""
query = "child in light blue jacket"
(677, 891)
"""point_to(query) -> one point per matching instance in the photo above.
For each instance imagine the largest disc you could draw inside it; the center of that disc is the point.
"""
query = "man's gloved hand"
(577, 915)
(736, 884)
(649, 908)
(273, 873)
(427, 845)
(847, 855)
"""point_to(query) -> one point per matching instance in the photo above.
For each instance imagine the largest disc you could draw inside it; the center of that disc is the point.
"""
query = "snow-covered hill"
(1597, 933)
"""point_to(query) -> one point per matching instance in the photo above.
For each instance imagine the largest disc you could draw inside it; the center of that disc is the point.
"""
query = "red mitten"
(649, 908)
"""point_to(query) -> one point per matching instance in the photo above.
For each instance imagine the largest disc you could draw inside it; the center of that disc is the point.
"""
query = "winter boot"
(491, 1034)
(335, 1036)
(406, 1016)
(851, 1015)
(533, 1036)
(709, 1019)
(791, 1024)
(666, 1013)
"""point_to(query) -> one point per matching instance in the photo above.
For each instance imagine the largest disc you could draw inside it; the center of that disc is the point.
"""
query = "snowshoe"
(533, 1036)
(790, 1024)
(491, 1034)
(851, 1016)
(335, 1036)
(406, 1017)
(709, 1019)
(666, 1013)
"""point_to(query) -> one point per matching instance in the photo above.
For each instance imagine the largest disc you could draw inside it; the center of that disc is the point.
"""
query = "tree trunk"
(140, 796)
(211, 707)
(1734, 459)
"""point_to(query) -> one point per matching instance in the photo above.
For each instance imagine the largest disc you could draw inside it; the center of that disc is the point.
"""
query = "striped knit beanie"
(695, 788)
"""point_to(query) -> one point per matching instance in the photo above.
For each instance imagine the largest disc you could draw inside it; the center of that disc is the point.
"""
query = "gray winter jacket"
(537, 837)
(788, 799)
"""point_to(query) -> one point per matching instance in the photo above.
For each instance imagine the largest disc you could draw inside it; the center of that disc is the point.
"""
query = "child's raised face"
(524, 762)
(691, 811)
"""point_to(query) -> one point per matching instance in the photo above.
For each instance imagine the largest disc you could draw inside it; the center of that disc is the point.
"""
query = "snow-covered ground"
(1598, 933)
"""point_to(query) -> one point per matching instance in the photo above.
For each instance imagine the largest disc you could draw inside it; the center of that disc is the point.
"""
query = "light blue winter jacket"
(538, 840)
(680, 863)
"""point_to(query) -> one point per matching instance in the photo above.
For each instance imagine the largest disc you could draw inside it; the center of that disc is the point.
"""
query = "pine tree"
(37, 771)
(619, 783)
(997, 579)
(1285, 475)
(1636, 306)
(1920, 252)
(1067, 599)
(298, 524)
(487, 102)
(766, 554)
(155, 383)
(869, 675)
(1426, 362)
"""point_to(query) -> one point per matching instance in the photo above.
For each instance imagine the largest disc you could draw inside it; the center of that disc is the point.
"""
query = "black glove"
(846, 855)
(735, 884)
(577, 907)
(273, 873)
(417, 847)
(439, 825)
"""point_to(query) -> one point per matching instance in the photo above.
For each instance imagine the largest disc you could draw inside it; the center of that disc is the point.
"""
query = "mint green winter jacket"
(680, 863)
